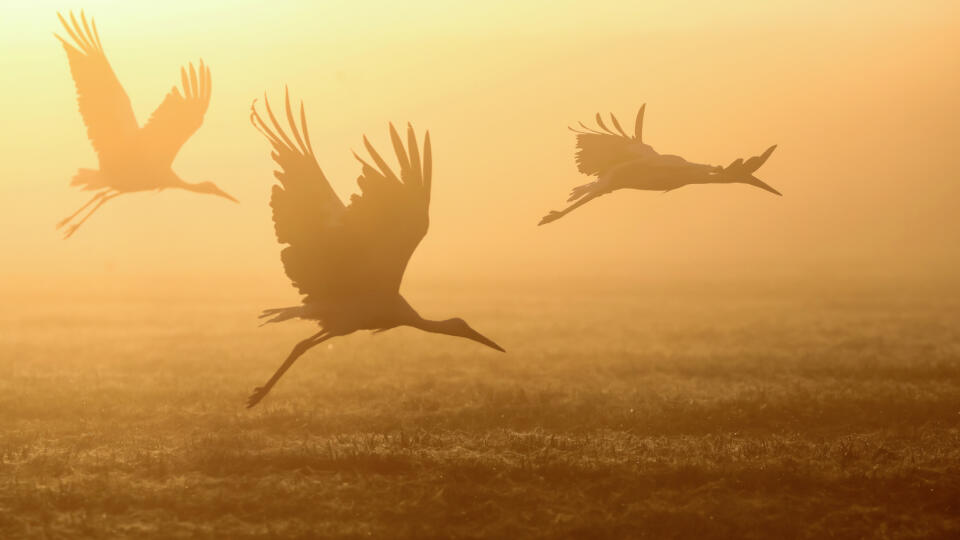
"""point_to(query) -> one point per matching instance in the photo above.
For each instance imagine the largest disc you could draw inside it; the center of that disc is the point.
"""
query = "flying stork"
(348, 260)
(132, 158)
(620, 161)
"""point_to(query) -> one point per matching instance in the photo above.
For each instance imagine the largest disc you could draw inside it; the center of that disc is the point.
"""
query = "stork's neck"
(452, 327)
(200, 187)
(429, 325)
(183, 184)
(410, 317)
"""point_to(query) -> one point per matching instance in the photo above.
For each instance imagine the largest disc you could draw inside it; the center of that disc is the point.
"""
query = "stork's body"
(132, 158)
(623, 162)
(349, 260)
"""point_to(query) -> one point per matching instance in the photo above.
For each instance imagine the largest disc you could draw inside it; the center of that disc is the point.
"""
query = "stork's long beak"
(480, 338)
(221, 193)
(754, 181)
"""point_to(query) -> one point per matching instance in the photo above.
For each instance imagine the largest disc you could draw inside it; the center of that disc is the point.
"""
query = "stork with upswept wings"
(620, 161)
(132, 158)
(348, 260)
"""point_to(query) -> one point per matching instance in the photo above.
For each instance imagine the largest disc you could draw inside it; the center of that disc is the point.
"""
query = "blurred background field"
(622, 409)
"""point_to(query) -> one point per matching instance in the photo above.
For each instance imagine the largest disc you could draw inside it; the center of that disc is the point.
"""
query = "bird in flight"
(348, 260)
(132, 158)
(620, 161)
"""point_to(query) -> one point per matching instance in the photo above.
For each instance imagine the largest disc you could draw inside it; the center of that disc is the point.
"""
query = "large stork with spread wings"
(132, 158)
(620, 161)
(348, 260)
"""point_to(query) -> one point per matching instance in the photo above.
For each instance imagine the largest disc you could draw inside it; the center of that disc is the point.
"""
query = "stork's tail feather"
(580, 191)
(281, 314)
(88, 178)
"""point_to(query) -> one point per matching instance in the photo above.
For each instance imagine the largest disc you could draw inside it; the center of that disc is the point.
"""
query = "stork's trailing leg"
(261, 391)
(66, 220)
(581, 190)
(73, 228)
(555, 215)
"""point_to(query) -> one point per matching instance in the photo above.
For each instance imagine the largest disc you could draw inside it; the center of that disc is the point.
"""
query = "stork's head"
(209, 188)
(459, 327)
(742, 172)
(754, 181)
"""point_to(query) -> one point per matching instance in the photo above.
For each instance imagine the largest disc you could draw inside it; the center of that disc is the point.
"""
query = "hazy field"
(622, 411)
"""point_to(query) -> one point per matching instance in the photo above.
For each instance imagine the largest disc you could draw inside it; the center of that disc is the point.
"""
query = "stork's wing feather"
(600, 149)
(104, 105)
(306, 210)
(391, 216)
(179, 115)
(338, 252)
(598, 153)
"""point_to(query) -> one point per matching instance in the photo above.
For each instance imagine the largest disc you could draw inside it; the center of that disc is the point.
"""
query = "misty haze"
(739, 316)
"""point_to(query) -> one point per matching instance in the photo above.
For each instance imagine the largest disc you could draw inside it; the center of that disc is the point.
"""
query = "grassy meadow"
(620, 411)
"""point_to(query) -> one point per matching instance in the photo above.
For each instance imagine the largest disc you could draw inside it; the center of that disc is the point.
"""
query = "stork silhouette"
(620, 161)
(348, 260)
(131, 158)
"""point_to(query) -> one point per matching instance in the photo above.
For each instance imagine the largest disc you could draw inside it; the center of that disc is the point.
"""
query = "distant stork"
(348, 260)
(620, 161)
(131, 158)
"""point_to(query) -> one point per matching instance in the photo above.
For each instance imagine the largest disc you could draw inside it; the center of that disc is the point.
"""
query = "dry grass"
(704, 414)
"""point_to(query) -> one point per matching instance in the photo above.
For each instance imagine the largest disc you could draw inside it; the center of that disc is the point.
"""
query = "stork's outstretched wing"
(598, 150)
(340, 252)
(392, 214)
(104, 105)
(179, 115)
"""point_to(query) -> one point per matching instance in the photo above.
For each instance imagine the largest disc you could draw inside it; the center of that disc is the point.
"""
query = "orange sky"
(860, 96)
